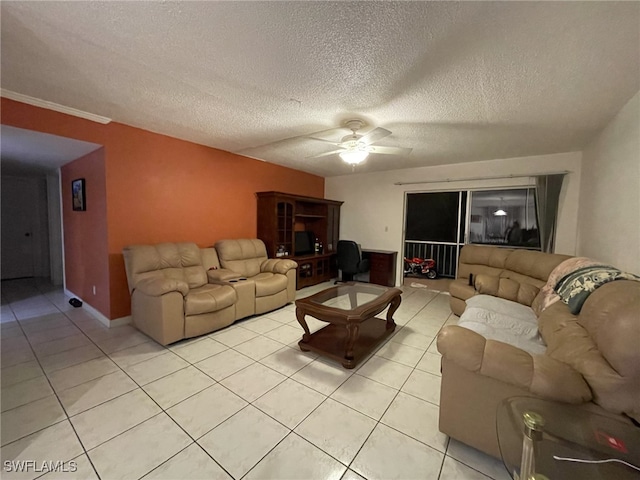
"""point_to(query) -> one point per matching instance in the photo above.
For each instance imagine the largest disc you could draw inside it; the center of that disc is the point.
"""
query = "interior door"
(19, 207)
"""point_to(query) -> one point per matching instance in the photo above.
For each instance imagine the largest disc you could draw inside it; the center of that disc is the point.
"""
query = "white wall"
(609, 222)
(373, 209)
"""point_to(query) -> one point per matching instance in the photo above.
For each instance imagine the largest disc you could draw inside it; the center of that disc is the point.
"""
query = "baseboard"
(116, 322)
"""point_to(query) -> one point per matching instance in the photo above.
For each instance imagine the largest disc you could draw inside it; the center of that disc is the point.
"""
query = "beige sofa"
(591, 359)
(179, 290)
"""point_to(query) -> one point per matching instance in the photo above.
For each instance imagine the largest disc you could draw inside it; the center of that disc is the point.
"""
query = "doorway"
(435, 225)
(25, 232)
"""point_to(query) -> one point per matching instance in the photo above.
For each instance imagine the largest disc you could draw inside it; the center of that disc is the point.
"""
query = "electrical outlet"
(94, 289)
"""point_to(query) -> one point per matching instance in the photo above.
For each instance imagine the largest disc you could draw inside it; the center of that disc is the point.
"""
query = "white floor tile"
(388, 372)
(258, 347)
(454, 470)
(83, 372)
(423, 385)
(122, 413)
(206, 410)
(233, 336)
(20, 373)
(290, 402)
(288, 360)
(365, 395)
(336, 429)
(138, 354)
(260, 325)
(155, 368)
(430, 363)
(416, 418)
(55, 443)
(25, 392)
(410, 459)
(79, 468)
(139, 450)
(40, 336)
(9, 358)
(89, 394)
(69, 358)
(223, 364)
(351, 475)
(477, 460)
(322, 377)
(242, 440)
(286, 334)
(400, 353)
(61, 345)
(253, 381)
(197, 351)
(178, 386)
(293, 459)
(407, 336)
(30, 418)
(111, 345)
(191, 463)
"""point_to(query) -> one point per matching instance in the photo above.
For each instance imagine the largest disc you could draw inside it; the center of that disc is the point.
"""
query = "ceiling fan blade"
(325, 141)
(333, 152)
(389, 150)
(375, 135)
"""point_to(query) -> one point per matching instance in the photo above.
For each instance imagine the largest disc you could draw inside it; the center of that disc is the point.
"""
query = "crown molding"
(36, 102)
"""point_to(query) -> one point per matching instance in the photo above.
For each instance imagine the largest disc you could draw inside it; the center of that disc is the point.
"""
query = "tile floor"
(243, 402)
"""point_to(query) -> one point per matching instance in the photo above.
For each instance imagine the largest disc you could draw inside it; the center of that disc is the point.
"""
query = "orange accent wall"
(85, 232)
(159, 189)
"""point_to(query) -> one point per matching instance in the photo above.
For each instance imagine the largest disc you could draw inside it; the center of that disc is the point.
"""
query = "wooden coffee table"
(353, 330)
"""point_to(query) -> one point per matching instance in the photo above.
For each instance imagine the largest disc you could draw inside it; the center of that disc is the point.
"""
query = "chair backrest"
(179, 261)
(243, 256)
(349, 256)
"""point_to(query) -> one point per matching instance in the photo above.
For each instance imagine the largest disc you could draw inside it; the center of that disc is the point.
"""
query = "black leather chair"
(350, 261)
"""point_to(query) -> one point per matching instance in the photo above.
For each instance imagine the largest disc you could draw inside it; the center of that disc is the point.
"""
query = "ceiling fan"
(355, 148)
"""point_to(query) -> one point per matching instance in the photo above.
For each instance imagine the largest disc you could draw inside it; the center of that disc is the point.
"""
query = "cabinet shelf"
(280, 215)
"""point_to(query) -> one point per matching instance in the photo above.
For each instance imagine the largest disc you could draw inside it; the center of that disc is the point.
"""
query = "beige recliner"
(171, 297)
(272, 281)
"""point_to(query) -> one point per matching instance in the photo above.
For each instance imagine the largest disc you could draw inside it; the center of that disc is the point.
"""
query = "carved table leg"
(353, 329)
(395, 303)
(307, 334)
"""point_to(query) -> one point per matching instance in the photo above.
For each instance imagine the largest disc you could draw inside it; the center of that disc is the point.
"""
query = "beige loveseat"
(591, 359)
(179, 290)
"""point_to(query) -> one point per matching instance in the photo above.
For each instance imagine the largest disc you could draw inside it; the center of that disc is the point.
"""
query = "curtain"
(547, 196)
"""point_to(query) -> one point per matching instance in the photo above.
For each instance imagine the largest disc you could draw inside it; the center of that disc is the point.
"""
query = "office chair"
(350, 260)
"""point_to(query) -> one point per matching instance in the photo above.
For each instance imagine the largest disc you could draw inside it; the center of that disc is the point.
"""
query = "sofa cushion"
(268, 283)
(244, 256)
(209, 298)
(503, 320)
(506, 288)
(460, 288)
(476, 259)
(176, 261)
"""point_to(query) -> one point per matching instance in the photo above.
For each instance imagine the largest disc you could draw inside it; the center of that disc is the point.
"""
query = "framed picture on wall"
(78, 195)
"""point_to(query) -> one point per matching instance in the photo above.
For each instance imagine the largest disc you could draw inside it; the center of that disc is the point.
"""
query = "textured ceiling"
(454, 81)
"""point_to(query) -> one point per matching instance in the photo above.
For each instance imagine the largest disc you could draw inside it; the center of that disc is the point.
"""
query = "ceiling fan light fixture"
(500, 213)
(354, 157)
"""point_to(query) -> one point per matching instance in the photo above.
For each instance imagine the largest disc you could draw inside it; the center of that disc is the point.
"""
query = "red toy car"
(420, 266)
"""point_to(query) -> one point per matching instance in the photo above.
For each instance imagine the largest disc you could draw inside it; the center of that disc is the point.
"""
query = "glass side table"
(544, 438)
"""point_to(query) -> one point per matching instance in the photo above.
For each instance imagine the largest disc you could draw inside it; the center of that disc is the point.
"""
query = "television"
(304, 243)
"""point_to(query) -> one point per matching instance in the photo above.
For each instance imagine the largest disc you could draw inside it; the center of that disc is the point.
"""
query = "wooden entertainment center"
(280, 215)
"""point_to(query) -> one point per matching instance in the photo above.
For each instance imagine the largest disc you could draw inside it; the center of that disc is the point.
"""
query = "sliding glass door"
(435, 225)
(438, 224)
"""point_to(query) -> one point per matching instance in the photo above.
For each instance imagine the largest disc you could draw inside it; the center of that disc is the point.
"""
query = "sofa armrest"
(156, 287)
(506, 288)
(221, 275)
(278, 265)
(541, 375)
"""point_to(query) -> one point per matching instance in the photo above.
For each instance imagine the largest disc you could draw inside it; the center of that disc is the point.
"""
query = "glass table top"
(574, 442)
(348, 296)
